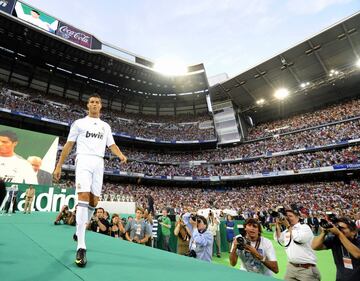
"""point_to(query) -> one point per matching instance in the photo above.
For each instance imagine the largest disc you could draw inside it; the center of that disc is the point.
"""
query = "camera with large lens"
(279, 213)
(160, 219)
(241, 242)
(331, 221)
(193, 217)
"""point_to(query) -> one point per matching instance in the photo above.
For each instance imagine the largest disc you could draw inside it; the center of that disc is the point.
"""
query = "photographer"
(116, 228)
(98, 223)
(137, 230)
(201, 242)
(344, 241)
(183, 234)
(214, 227)
(257, 253)
(66, 216)
(296, 238)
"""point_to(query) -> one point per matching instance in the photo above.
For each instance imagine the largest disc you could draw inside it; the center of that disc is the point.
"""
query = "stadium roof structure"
(317, 71)
(29, 54)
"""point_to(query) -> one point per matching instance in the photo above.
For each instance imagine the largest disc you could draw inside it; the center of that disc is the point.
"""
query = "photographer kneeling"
(66, 216)
(344, 241)
(201, 242)
(256, 253)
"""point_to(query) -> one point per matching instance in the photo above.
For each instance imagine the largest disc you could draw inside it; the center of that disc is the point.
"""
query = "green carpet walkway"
(32, 248)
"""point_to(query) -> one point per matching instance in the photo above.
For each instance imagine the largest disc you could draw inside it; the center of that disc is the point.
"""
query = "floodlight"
(304, 84)
(358, 63)
(260, 101)
(170, 66)
(281, 93)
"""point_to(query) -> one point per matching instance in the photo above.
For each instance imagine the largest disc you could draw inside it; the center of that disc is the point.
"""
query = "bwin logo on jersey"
(98, 135)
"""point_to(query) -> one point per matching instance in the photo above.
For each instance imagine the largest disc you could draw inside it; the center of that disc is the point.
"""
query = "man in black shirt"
(98, 223)
(344, 242)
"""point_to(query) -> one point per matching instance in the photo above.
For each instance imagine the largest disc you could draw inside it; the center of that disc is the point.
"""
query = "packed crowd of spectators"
(317, 137)
(324, 158)
(183, 127)
(327, 135)
(338, 197)
(314, 118)
(263, 165)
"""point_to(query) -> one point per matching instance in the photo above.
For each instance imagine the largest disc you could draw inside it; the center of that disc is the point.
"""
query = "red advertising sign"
(74, 35)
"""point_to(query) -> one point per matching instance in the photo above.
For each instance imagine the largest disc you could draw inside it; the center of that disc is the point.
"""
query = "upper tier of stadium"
(321, 69)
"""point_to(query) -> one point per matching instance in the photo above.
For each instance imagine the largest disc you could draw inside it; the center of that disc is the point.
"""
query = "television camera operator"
(256, 253)
(296, 238)
(342, 237)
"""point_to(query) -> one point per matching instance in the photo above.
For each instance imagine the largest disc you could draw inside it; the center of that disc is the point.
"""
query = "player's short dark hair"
(94, 95)
(9, 134)
(36, 12)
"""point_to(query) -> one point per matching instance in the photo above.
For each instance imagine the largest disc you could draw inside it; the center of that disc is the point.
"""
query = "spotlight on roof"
(281, 93)
(260, 102)
(304, 85)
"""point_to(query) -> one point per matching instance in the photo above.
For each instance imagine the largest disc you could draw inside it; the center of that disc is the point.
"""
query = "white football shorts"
(89, 173)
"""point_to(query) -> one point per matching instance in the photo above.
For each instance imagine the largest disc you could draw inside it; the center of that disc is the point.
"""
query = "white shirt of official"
(91, 135)
(250, 263)
(299, 253)
(15, 169)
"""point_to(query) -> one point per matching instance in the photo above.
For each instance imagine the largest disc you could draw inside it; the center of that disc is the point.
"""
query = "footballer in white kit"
(14, 168)
(91, 135)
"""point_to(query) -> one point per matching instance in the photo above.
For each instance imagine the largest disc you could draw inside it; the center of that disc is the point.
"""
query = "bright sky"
(226, 35)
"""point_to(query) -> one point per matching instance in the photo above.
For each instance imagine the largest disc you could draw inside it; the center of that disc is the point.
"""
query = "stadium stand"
(317, 134)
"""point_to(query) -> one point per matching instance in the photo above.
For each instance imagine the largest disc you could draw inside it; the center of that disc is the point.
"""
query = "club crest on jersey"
(99, 135)
(78, 186)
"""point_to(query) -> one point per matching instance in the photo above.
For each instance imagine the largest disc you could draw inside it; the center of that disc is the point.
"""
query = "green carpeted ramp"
(33, 248)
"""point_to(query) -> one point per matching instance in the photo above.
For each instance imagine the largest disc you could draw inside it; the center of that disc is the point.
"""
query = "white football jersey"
(91, 135)
(17, 170)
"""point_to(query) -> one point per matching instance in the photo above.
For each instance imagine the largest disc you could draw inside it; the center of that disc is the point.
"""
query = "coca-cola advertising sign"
(74, 35)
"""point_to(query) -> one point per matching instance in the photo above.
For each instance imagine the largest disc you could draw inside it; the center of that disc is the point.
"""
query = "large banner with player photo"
(7, 6)
(26, 156)
(36, 17)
